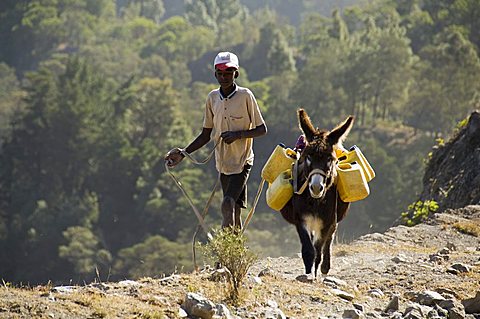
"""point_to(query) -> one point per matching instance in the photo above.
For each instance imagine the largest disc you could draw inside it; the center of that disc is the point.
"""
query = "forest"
(94, 93)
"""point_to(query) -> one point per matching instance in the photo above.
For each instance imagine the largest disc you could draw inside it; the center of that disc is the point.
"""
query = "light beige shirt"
(237, 112)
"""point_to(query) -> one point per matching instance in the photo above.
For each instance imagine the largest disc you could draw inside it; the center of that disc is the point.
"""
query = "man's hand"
(230, 136)
(174, 157)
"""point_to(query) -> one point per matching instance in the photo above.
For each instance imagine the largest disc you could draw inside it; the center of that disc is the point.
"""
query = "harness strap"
(304, 185)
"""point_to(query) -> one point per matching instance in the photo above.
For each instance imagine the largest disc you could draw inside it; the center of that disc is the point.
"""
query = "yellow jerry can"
(280, 160)
(355, 155)
(351, 183)
(280, 191)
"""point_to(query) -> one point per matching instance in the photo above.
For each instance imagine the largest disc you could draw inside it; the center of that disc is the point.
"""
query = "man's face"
(225, 77)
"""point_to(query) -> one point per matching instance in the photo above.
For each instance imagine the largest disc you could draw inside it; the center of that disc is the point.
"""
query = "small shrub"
(440, 141)
(461, 124)
(228, 248)
(468, 228)
(419, 211)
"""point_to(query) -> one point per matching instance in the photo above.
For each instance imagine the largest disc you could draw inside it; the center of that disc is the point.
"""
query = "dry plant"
(228, 248)
(468, 228)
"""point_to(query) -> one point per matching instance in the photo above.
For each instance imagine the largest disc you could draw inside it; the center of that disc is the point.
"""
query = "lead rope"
(200, 217)
(205, 211)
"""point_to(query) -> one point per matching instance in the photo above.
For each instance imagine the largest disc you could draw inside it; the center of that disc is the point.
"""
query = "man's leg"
(234, 197)
(238, 216)
(228, 211)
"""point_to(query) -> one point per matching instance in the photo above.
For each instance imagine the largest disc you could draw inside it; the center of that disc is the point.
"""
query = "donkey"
(316, 212)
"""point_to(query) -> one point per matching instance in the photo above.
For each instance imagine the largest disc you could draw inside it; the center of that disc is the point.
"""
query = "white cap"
(225, 60)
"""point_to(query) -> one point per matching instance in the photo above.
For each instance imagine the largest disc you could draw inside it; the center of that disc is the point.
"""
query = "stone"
(417, 311)
(222, 312)
(182, 313)
(456, 313)
(444, 251)
(265, 272)
(393, 305)
(64, 289)
(342, 294)
(358, 307)
(352, 314)
(399, 259)
(332, 281)
(376, 292)
(461, 267)
(199, 306)
(428, 298)
(274, 314)
(129, 283)
(272, 303)
(472, 305)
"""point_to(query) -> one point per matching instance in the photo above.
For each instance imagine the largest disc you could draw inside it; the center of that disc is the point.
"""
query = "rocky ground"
(431, 270)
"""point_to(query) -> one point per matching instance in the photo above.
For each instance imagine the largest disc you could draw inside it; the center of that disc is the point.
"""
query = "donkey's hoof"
(325, 269)
(304, 278)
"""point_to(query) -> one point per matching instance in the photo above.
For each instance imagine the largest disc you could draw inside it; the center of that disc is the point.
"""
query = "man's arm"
(202, 139)
(232, 136)
(175, 156)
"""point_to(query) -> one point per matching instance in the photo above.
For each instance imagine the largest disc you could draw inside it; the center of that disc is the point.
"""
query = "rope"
(195, 210)
(200, 217)
(252, 210)
(204, 213)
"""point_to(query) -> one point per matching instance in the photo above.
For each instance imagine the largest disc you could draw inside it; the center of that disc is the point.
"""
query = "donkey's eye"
(308, 161)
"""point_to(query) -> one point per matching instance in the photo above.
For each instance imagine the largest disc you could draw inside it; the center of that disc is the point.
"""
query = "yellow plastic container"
(351, 184)
(280, 160)
(280, 191)
(355, 155)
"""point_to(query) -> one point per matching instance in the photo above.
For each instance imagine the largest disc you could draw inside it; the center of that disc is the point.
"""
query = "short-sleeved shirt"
(238, 111)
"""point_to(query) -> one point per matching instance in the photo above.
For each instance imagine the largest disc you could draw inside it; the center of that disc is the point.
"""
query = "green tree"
(221, 16)
(150, 9)
(10, 99)
(46, 168)
(84, 251)
(272, 54)
(448, 83)
(339, 28)
(153, 257)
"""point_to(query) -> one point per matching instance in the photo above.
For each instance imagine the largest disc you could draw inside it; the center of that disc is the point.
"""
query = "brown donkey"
(315, 207)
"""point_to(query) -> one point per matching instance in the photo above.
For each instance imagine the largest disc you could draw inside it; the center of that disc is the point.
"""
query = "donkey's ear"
(340, 133)
(306, 125)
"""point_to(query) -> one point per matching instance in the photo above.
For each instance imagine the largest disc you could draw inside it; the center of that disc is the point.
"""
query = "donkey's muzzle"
(316, 185)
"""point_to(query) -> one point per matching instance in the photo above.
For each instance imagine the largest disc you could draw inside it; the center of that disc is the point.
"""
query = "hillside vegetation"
(94, 93)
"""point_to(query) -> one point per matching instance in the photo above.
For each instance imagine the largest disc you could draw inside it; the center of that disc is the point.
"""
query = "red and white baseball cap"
(225, 60)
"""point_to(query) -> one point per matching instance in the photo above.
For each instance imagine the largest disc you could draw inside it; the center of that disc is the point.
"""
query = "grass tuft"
(468, 228)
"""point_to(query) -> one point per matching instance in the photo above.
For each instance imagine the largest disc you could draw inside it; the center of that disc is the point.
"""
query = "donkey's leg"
(326, 249)
(318, 253)
(308, 252)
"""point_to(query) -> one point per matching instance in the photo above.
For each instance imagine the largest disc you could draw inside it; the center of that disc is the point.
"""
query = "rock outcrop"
(452, 177)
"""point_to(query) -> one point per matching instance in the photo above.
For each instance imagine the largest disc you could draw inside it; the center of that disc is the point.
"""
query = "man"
(233, 115)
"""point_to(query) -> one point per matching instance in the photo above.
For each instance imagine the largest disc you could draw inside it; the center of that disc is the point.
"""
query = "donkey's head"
(318, 159)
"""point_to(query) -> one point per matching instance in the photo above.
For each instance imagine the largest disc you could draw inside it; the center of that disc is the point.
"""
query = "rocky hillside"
(431, 270)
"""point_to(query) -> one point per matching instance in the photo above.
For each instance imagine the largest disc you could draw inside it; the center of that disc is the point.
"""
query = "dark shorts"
(235, 186)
